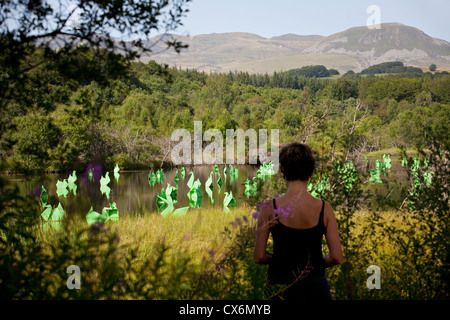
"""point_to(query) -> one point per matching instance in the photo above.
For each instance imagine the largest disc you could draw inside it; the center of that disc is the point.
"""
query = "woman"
(298, 221)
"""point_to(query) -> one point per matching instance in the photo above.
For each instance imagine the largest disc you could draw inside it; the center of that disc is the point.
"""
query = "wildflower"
(211, 253)
(245, 219)
(255, 215)
(186, 237)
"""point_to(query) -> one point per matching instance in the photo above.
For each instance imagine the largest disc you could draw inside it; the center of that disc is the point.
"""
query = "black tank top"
(297, 253)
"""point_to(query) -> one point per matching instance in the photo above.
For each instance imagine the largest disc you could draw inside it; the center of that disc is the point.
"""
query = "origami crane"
(228, 201)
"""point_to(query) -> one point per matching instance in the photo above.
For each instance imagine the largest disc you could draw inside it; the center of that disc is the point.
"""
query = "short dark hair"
(297, 161)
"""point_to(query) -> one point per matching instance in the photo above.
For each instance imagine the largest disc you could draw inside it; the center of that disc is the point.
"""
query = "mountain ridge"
(354, 49)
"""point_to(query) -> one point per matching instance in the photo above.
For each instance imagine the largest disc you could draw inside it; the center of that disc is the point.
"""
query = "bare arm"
(260, 254)
(332, 236)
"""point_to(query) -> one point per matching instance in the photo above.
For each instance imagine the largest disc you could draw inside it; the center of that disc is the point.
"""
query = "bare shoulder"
(328, 213)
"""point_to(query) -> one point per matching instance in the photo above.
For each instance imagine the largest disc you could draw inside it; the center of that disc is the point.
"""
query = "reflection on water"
(131, 190)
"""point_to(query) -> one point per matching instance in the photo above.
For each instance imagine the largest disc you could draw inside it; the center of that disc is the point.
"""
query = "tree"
(77, 42)
(433, 67)
(121, 27)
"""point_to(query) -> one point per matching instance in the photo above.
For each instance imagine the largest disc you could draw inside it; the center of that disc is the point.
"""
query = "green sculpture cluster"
(53, 216)
(380, 167)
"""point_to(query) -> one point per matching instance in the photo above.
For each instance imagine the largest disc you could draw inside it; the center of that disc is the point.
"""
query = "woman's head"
(297, 162)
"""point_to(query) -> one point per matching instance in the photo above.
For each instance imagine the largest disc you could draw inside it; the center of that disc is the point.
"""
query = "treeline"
(390, 67)
(60, 124)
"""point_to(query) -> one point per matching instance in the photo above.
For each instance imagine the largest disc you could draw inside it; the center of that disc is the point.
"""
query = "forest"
(62, 122)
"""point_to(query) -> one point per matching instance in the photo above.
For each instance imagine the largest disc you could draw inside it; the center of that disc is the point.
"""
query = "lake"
(132, 192)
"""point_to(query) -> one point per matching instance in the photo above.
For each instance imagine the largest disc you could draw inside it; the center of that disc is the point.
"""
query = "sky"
(322, 17)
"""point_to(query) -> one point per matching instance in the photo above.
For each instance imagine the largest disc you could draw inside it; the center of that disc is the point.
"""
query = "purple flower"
(186, 237)
(211, 253)
(277, 196)
(255, 215)
(245, 219)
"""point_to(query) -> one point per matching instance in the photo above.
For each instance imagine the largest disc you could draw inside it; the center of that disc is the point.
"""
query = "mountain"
(353, 49)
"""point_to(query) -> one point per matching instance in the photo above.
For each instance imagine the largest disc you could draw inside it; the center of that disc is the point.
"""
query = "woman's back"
(297, 239)
(304, 210)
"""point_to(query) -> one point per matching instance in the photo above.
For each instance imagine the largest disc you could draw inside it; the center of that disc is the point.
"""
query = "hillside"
(353, 49)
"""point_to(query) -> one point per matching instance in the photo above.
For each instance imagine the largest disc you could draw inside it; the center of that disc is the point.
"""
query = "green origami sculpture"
(105, 180)
(322, 185)
(375, 176)
(104, 185)
(72, 178)
(208, 183)
(169, 208)
(116, 173)
(108, 214)
(72, 187)
(61, 188)
(44, 196)
(169, 192)
(387, 161)
(160, 176)
(53, 216)
(265, 170)
(61, 184)
(165, 202)
(151, 176)
(104, 189)
(176, 179)
(216, 169)
(91, 174)
(190, 182)
(195, 194)
(404, 161)
(250, 187)
(219, 182)
(183, 173)
(228, 201)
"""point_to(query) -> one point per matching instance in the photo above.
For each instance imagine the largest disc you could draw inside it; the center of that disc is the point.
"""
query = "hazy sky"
(324, 17)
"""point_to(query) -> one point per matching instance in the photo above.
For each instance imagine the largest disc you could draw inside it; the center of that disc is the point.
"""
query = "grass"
(200, 233)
